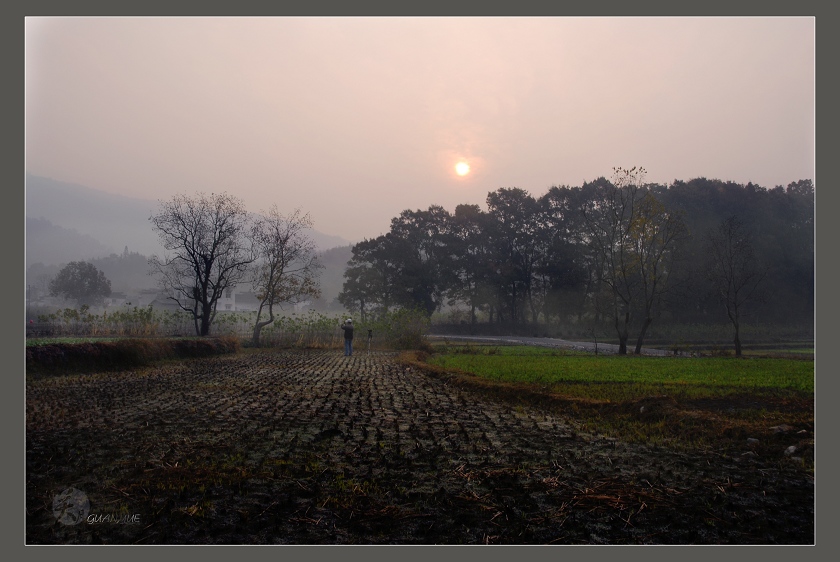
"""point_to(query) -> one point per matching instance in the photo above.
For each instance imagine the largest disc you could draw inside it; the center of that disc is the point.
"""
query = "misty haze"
(332, 280)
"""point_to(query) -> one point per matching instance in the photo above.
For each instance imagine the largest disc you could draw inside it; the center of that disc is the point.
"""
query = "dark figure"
(348, 336)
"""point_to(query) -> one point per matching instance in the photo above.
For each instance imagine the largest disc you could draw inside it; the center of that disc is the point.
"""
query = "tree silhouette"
(81, 281)
(286, 269)
(207, 235)
(734, 271)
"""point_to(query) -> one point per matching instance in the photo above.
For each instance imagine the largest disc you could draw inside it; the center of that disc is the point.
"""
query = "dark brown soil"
(311, 447)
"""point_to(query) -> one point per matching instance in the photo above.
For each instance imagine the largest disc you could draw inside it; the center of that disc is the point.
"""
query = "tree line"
(616, 252)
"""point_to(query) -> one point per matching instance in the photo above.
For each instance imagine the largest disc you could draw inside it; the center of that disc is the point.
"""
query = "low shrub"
(62, 358)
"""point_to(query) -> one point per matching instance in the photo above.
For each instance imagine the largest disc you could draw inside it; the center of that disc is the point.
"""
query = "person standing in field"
(348, 337)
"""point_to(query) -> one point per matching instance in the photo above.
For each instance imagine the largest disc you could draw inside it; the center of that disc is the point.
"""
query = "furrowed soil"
(311, 447)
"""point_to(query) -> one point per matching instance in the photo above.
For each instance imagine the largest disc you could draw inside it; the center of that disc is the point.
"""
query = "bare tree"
(656, 234)
(608, 217)
(633, 238)
(207, 235)
(734, 271)
(286, 269)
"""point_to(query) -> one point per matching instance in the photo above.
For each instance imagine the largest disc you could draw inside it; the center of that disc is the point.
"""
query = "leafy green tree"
(361, 290)
(409, 267)
(81, 281)
(470, 266)
(513, 235)
(562, 268)
(419, 244)
(370, 278)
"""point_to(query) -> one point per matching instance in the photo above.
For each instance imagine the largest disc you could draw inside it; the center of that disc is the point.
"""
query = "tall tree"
(734, 271)
(633, 236)
(370, 277)
(286, 268)
(608, 217)
(513, 235)
(419, 243)
(563, 266)
(655, 235)
(211, 251)
(81, 281)
(470, 264)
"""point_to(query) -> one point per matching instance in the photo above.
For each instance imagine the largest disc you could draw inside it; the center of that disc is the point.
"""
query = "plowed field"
(311, 447)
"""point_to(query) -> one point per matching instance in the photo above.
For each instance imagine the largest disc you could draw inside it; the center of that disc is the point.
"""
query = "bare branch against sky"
(356, 119)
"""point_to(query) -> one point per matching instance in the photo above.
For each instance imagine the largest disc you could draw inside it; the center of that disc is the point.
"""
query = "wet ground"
(311, 447)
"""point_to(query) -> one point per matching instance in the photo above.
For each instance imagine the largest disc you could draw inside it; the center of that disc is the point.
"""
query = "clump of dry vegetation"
(120, 354)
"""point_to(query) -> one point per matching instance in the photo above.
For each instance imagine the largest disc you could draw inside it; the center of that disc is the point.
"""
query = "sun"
(462, 168)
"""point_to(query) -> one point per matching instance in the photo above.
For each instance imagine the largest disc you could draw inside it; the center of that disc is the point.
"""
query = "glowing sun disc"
(462, 168)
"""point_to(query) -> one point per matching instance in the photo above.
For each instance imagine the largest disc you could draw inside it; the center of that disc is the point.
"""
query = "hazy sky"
(356, 119)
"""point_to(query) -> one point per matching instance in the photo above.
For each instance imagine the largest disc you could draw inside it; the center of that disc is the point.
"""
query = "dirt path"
(312, 447)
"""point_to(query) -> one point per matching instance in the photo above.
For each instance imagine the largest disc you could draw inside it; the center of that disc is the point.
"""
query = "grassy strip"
(683, 403)
(615, 378)
(120, 354)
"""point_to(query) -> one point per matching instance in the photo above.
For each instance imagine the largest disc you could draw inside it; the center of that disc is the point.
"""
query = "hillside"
(334, 261)
(92, 223)
(50, 244)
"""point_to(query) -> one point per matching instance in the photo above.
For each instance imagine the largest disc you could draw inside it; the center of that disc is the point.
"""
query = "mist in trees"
(633, 238)
(82, 282)
(126, 271)
(734, 272)
(215, 245)
(615, 252)
(285, 268)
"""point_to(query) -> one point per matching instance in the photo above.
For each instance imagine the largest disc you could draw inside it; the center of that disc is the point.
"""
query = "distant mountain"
(331, 279)
(52, 245)
(97, 223)
(114, 220)
(327, 241)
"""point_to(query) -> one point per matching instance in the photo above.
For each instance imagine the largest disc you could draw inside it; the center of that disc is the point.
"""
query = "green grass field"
(621, 378)
(682, 402)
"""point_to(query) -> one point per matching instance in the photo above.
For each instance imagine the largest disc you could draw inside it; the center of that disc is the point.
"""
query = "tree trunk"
(732, 312)
(535, 316)
(623, 334)
(205, 319)
(258, 326)
(641, 339)
(205, 326)
(258, 330)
